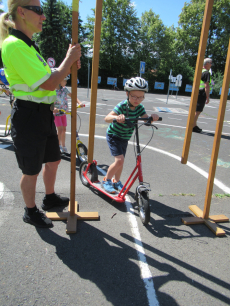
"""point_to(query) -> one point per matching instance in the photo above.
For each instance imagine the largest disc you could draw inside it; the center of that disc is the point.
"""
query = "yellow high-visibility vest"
(202, 84)
(26, 69)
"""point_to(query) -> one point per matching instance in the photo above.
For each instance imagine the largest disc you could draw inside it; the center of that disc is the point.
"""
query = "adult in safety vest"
(30, 80)
(204, 91)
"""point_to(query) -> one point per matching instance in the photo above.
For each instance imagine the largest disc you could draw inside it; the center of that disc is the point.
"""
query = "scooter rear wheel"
(83, 152)
(82, 169)
(143, 207)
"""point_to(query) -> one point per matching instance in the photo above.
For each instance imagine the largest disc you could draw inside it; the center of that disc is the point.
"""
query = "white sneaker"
(65, 150)
(61, 149)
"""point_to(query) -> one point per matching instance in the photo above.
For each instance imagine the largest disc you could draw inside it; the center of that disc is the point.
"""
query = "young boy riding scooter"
(119, 133)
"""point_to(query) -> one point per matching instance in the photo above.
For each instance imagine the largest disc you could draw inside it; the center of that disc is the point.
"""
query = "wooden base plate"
(71, 227)
(210, 222)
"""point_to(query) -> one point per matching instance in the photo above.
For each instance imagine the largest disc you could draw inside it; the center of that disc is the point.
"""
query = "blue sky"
(168, 10)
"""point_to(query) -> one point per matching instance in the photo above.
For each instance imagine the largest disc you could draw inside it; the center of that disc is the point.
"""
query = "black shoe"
(55, 202)
(38, 219)
(196, 129)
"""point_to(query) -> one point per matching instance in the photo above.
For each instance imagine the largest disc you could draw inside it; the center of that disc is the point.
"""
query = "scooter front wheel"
(143, 206)
(82, 154)
(82, 169)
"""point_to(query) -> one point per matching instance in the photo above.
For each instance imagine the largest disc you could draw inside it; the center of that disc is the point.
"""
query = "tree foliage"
(119, 32)
(1, 10)
(53, 40)
(190, 25)
(126, 40)
(56, 35)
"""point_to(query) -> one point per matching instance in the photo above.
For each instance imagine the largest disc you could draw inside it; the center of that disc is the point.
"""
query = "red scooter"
(89, 176)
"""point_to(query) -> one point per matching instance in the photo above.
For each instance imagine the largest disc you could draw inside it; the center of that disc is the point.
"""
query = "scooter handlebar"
(148, 119)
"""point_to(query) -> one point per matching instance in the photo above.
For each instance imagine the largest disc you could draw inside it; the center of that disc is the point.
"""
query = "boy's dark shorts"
(35, 137)
(117, 145)
(201, 101)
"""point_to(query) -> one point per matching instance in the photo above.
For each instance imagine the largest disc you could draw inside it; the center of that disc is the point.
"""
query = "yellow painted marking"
(75, 5)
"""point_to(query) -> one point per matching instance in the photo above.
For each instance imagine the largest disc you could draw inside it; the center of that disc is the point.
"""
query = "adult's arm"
(207, 91)
(73, 55)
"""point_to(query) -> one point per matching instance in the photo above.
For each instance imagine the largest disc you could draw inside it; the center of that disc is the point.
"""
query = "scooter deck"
(97, 185)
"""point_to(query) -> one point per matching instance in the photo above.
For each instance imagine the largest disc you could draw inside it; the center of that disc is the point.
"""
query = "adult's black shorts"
(201, 101)
(34, 135)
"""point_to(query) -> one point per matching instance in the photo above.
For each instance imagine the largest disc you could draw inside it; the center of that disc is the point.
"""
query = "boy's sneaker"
(118, 185)
(37, 219)
(108, 186)
(65, 150)
(56, 201)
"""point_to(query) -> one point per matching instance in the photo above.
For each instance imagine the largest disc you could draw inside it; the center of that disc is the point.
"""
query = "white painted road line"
(8, 200)
(146, 274)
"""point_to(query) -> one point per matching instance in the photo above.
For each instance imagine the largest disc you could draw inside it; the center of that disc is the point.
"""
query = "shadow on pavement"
(165, 221)
(173, 274)
(103, 260)
(212, 134)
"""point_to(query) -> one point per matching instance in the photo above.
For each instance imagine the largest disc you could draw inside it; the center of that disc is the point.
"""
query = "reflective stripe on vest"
(33, 93)
(202, 84)
(26, 88)
(46, 100)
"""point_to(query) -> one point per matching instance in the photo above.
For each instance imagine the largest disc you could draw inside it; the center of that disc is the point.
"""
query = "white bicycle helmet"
(55, 69)
(136, 84)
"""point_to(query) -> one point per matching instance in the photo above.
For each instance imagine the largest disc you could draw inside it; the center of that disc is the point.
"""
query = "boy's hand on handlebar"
(120, 118)
(155, 117)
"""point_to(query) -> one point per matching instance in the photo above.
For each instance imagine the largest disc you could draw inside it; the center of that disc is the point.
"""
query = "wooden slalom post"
(203, 217)
(94, 82)
(197, 77)
(73, 214)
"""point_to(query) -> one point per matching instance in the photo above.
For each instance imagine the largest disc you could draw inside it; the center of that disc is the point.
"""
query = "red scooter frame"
(142, 189)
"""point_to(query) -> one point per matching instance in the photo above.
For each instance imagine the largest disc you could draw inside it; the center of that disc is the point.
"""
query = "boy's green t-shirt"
(122, 130)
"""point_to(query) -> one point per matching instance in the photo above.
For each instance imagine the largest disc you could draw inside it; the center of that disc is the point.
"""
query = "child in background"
(60, 119)
(4, 81)
(119, 133)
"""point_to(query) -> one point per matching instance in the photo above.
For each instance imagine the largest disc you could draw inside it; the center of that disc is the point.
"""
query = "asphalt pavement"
(117, 260)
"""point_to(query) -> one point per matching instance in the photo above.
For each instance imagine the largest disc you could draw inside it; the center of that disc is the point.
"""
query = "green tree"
(1, 6)
(52, 40)
(118, 38)
(56, 35)
(218, 81)
(156, 47)
(189, 30)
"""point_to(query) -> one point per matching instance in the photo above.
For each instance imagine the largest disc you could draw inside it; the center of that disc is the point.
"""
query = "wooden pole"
(75, 14)
(217, 138)
(73, 213)
(203, 216)
(197, 77)
(94, 82)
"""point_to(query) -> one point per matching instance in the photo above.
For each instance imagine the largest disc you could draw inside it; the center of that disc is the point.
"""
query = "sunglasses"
(36, 9)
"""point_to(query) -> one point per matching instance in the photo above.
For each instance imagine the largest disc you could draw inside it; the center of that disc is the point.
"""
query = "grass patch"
(184, 194)
(221, 196)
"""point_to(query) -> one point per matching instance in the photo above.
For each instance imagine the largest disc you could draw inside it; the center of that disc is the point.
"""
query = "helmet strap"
(127, 112)
(129, 104)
